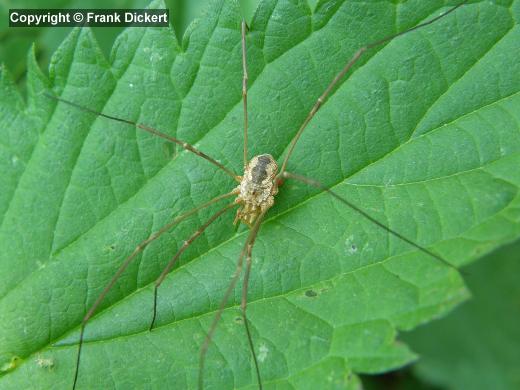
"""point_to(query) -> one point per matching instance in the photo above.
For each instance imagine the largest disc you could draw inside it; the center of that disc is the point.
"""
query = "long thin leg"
(243, 307)
(184, 246)
(127, 262)
(153, 131)
(317, 184)
(204, 348)
(342, 73)
(244, 87)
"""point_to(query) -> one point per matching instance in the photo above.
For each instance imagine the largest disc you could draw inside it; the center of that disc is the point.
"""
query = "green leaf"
(477, 347)
(423, 135)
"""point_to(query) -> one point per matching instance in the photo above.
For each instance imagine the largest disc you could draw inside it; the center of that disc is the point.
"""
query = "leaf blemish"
(311, 293)
(11, 365)
(263, 351)
(44, 363)
(110, 248)
(350, 247)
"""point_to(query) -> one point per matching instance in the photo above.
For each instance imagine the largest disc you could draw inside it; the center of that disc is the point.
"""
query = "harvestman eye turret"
(254, 197)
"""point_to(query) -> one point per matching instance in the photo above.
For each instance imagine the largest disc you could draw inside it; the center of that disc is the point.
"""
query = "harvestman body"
(257, 188)
(254, 195)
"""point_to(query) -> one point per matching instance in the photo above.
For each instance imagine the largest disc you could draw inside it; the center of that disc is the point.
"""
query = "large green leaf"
(423, 135)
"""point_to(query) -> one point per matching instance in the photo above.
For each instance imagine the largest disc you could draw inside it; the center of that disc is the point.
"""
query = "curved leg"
(184, 246)
(342, 73)
(317, 184)
(151, 130)
(125, 265)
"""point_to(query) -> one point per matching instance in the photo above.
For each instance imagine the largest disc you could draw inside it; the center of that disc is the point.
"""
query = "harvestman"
(254, 197)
